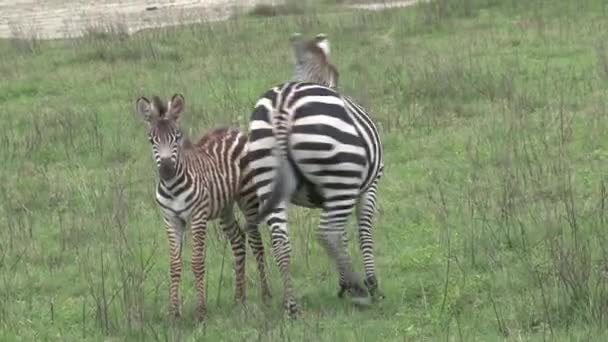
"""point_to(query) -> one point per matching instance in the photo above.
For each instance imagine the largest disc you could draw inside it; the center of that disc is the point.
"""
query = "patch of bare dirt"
(50, 19)
(47, 19)
(381, 5)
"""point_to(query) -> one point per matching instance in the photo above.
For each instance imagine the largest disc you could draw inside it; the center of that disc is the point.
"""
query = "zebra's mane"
(159, 105)
(314, 54)
(217, 134)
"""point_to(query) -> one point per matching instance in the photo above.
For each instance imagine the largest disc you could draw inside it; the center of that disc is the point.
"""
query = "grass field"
(492, 220)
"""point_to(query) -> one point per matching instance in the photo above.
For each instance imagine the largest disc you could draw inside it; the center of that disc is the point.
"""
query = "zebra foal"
(313, 147)
(199, 182)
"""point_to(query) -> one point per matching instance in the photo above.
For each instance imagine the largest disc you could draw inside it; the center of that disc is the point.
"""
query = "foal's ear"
(145, 109)
(176, 106)
(295, 37)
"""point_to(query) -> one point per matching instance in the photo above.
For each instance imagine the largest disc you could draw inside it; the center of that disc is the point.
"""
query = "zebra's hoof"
(294, 316)
(362, 301)
(343, 289)
(240, 300)
(378, 295)
(360, 295)
(372, 287)
(200, 313)
(174, 313)
(292, 311)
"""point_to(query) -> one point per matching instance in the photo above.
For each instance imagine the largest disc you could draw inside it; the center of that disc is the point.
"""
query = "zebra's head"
(318, 46)
(312, 60)
(165, 134)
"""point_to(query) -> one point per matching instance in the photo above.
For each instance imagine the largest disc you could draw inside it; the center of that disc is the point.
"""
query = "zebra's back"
(218, 160)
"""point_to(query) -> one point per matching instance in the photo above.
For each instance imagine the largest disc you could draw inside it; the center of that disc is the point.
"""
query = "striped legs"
(249, 206)
(331, 234)
(237, 242)
(277, 221)
(175, 233)
(365, 214)
(257, 246)
(199, 248)
(343, 283)
(366, 208)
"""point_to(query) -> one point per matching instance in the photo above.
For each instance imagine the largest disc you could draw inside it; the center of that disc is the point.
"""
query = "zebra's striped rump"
(323, 149)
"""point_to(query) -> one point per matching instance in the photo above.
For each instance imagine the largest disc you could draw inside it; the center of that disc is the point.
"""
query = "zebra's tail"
(284, 182)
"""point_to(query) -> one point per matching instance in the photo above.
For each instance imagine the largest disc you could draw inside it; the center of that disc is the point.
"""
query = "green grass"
(492, 218)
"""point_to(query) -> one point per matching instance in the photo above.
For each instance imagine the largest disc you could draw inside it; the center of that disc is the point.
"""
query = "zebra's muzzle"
(166, 170)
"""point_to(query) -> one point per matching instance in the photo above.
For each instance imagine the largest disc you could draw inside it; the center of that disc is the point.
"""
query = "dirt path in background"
(376, 6)
(69, 18)
(48, 19)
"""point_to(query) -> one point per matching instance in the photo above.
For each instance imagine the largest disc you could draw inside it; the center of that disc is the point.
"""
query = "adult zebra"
(315, 148)
(199, 182)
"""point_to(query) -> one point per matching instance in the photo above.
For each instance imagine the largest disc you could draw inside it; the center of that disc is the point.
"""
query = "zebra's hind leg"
(249, 206)
(366, 209)
(257, 246)
(281, 247)
(344, 286)
(237, 242)
(331, 235)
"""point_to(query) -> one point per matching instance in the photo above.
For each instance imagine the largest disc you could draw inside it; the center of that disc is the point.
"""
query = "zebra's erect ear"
(299, 47)
(145, 109)
(295, 37)
(176, 106)
(323, 43)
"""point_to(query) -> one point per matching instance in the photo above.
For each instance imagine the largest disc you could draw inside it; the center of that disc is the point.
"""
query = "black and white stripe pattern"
(313, 147)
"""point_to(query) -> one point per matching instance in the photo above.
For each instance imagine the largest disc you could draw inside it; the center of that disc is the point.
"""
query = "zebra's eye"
(178, 136)
(151, 139)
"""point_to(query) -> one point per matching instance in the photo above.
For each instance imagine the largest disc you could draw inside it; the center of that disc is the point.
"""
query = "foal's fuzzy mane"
(217, 134)
(160, 105)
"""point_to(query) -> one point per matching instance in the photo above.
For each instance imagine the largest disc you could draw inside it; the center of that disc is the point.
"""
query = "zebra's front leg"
(365, 214)
(249, 208)
(175, 233)
(281, 248)
(237, 242)
(199, 248)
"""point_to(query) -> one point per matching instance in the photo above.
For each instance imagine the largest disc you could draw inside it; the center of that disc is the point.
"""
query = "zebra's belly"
(336, 172)
(321, 159)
